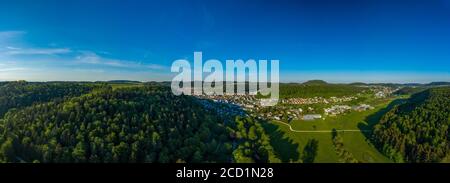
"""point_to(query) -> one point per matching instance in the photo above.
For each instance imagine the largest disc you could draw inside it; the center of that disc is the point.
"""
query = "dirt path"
(317, 131)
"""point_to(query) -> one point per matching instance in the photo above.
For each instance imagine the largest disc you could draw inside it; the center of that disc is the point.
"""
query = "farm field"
(285, 141)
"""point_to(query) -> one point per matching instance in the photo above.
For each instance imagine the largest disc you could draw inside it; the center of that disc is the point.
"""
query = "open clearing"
(289, 140)
(315, 131)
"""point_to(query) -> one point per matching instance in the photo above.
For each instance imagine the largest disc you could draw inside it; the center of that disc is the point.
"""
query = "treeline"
(127, 125)
(310, 151)
(20, 94)
(418, 130)
(140, 124)
(253, 144)
(318, 90)
(409, 90)
(338, 143)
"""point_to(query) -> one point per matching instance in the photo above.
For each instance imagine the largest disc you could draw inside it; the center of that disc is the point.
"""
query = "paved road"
(318, 131)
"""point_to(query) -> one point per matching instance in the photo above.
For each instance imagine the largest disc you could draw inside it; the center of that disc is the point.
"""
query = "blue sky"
(338, 41)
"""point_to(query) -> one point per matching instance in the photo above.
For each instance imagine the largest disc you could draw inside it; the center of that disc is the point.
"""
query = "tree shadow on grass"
(310, 151)
(373, 119)
(285, 148)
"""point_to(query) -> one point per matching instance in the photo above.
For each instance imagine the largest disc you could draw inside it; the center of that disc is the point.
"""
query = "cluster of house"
(290, 113)
(380, 94)
(317, 100)
(336, 109)
(229, 106)
(382, 91)
(223, 108)
(340, 109)
(240, 105)
(237, 104)
(362, 107)
(279, 113)
(242, 101)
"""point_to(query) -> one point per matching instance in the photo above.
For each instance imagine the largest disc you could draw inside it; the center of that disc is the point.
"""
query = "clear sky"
(334, 40)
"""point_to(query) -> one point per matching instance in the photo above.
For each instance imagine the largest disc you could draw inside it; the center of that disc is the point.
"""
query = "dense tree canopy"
(137, 124)
(127, 125)
(20, 94)
(409, 90)
(253, 142)
(417, 131)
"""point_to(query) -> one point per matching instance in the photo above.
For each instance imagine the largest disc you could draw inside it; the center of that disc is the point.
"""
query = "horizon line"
(282, 82)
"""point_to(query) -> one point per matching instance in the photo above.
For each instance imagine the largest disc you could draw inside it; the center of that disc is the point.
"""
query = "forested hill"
(409, 90)
(418, 130)
(129, 125)
(20, 94)
(318, 89)
(139, 124)
(315, 82)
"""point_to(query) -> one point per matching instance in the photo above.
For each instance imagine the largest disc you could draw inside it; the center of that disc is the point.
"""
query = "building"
(336, 109)
(309, 117)
(380, 94)
(362, 107)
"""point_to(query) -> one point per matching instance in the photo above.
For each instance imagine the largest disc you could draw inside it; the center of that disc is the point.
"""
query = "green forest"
(101, 122)
(418, 130)
(68, 122)
(21, 94)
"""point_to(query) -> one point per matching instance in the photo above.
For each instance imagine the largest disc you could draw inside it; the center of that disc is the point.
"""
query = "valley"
(144, 122)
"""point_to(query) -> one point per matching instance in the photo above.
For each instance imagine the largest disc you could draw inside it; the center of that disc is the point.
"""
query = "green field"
(289, 145)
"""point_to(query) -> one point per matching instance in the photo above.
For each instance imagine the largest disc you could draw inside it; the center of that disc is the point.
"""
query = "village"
(288, 109)
(317, 100)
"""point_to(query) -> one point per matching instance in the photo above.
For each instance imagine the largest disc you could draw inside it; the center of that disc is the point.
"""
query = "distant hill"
(318, 90)
(315, 82)
(358, 83)
(18, 94)
(442, 83)
(417, 131)
(123, 81)
(409, 90)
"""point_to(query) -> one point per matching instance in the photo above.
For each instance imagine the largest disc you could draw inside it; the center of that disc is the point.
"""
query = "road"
(318, 131)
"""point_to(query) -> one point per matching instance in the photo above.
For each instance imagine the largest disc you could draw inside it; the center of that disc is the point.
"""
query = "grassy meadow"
(289, 146)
